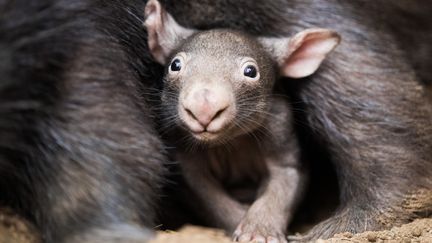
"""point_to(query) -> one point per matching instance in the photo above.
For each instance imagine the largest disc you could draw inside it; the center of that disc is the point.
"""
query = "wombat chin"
(219, 138)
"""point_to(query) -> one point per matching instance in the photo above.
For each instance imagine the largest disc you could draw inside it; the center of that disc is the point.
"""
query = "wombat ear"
(164, 33)
(301, 55)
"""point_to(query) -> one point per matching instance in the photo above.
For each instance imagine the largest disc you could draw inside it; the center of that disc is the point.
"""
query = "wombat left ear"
(164, 33)
(301, 55)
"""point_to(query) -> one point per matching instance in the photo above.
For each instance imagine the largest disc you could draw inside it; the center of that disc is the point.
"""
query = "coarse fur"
(79, 156)
(366, 106)
(375, 78)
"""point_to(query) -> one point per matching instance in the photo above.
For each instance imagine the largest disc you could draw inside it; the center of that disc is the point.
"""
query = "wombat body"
(79, 156)
(233, 131)
(366, 107)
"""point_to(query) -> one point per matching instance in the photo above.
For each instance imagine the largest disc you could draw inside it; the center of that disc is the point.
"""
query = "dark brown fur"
(79, 156)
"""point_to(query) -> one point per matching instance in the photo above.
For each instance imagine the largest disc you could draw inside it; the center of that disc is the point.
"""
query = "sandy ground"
(419, 231)
(15, 230)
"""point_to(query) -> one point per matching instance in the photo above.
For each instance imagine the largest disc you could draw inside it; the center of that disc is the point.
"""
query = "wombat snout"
(206, 110)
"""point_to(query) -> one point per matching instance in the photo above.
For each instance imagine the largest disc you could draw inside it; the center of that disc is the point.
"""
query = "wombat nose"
(206, 115)
(206, 110)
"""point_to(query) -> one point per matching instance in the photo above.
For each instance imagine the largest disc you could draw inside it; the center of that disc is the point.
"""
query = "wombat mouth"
(206, 136)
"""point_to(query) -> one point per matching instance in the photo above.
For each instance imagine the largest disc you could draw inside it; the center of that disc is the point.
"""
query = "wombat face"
(222, 81)
(218, 82)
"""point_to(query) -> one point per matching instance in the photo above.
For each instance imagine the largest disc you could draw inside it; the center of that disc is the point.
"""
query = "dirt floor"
(15, 230)
(419, 231)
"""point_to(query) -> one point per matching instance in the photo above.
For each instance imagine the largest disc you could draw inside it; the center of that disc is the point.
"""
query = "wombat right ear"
(164, 33)
(301, 55)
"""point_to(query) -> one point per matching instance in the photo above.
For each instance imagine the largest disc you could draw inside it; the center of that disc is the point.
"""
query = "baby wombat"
(218, 89)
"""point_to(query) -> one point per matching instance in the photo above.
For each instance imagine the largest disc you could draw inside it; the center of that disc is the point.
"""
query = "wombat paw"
(259, 233)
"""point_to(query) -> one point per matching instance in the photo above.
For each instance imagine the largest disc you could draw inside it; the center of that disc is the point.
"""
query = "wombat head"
(218, 82)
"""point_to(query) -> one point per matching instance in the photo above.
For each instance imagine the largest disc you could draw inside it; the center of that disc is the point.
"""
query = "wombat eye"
(250, 71)
(175, 65)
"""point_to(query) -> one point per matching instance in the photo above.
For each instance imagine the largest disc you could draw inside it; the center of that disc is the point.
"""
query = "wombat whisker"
(261, 127)
(247, 132)
(190, 144)
(242, 99)
(168, 125)
(266, 113)
(195, 144)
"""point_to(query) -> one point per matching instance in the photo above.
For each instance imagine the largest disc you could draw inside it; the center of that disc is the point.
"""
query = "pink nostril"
(190, 113)
(204, 118)
(219, 113)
